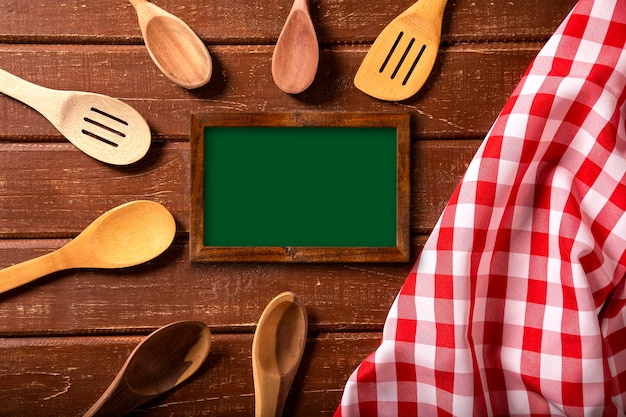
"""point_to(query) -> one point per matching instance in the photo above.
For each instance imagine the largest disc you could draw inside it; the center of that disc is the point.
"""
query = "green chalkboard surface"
(308, 188)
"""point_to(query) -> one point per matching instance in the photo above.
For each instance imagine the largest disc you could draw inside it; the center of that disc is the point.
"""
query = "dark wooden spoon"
(166, 358)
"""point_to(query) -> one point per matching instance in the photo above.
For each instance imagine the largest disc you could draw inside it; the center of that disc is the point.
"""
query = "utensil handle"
(270, 396)
(39, 98)
(25, 272)
(431, 8)
(146, 10)
(300, 5)
(118, 400)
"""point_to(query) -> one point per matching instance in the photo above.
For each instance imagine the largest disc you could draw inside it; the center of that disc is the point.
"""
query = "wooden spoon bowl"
(162, 361)
(277, 349)
(296, 56)
(127, 235)
(173, 46)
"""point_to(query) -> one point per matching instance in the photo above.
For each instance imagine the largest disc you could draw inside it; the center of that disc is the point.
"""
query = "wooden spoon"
(402, 56)
(124, 236)
(163, 360)
(277, 349)
(295, 59)
(174, 47)
(103, 127)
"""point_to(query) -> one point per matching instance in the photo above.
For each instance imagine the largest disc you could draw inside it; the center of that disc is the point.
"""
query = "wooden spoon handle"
(146, 10)
(428, 8)
(137, 2)
(45, 100)
(117, 400)
(25, 272)
(301, 5)
(269, 396)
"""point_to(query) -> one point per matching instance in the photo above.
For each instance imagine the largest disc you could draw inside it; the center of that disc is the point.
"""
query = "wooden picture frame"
(339, 182)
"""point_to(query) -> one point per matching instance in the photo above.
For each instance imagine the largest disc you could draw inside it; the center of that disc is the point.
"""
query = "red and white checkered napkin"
(516, 304)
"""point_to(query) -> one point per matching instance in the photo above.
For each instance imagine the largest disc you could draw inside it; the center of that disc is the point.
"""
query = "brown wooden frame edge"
(201, 253)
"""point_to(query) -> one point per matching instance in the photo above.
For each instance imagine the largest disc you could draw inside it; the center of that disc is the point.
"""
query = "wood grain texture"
(229, 296)
(53, 190)
(461, 99)
(260, 21)
(63, 338)
(65, 376)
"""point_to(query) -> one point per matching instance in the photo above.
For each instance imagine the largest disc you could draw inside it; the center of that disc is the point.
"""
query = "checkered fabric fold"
(515, 306)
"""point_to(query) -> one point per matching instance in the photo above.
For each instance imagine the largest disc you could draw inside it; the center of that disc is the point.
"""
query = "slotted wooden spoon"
(174, 47)
(163, 360)
(296, 56)
(403, 55)
(127, 235)
(277, 349)
(103, 127)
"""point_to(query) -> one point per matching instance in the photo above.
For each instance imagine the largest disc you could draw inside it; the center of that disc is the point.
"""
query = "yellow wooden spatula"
(402, 56)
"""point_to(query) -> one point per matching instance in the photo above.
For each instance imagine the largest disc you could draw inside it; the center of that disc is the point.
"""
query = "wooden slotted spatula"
(103, 127)
(402, 56)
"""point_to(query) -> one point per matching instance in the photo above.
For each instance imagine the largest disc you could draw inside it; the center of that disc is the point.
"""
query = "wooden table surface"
(64, 337)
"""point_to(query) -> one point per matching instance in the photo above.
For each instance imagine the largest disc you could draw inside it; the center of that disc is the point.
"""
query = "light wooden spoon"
(124, 236)
(174, 47)
(277, 349)
(103, 127)
(163, 360)
(296, 56)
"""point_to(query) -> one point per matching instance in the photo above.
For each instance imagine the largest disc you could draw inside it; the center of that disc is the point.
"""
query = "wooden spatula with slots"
(103, 127)
(402, 56)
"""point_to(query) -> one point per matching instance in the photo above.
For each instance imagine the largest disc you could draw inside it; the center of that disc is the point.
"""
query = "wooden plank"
(466, 91)
(230, 297)
(54, 190)
(260, 21)
(438, 167)
(65, 376)
(41, 182)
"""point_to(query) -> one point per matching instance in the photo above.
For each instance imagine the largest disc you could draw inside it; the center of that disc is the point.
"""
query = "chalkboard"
(303, 187)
